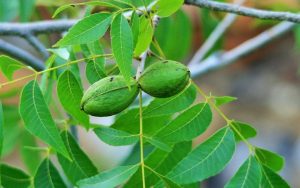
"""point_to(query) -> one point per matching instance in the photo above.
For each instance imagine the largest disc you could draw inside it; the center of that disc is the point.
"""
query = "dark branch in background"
(245, 11)
(37, 45)
(22, 55)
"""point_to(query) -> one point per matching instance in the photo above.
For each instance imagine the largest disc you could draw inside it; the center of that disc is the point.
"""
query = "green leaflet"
(165, 8)
(246, 130)
(31, 158)
(1, 130)
(188, 125)
(87, 30)
(37, 118)
(144, 37)
(12, 177)
(272, 160)
(272, 180)
(219, 101)
(176, 26)
(70, 94)
(135, 27)
(26, 8)
(9, 65)
(110, 178)
(248, 175)
(206, 160)
(122, 45)
(81, 166)
(158, 143)
(116, 137)
(167, 106)
(47, 176)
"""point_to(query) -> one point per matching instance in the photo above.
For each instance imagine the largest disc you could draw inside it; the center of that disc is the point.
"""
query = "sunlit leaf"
(144, 37)
(242, 129)
(12, 177)
(70, 94)
(9, 65)
(37, 118)
(271, 179)
(48, 176)
(188, 125)
(167, 106)
(87, 30)
(110, 178)
(165, 8)
(248, 175)
(219, 101)
(116, 137)
(206, 160)
(81, 166)
(270, 159)
(122, 44)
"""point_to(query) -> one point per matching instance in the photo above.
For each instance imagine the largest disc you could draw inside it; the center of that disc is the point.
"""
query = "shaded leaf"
(219, 101)
(271, 179)
(159, 144)
(81, 166)
(165, 8)
(47, 176)
(110, 178)
(248, 175)
(144, 37)
(167, 106)
(12, 177)
(70, 94)
(1, 128)
(87, 30)
(135, 27)
(37, 118)
(116, 137)
(206, 160)
(188, 125)
(122, 45)
(246, 130)
(26, 9)
(9, 65)
(270, 159)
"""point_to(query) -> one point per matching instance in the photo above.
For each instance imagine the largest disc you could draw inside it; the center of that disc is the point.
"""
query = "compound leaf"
(271, 179)
(11, 177)
(270, 159)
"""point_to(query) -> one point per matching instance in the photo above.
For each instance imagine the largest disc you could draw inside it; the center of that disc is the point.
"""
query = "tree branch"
(22, 55)
(245, 11)
(221, 59)
(37, 45)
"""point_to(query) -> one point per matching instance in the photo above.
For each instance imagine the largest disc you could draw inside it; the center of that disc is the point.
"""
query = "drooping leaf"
(167, 106)
(47, 176)
(135, 27)
(9, 65)
(1, 129)
(188, 125)
(165, 8)
(248, 175)
(145, 35)
(122, 44)
(12, 177)
(129, 122)
(87, 30)
(81, 166)
(26, 8)
(244, 129)
(219, 101)
(116, 137)
(272, 160)
(110, 178)
(32, 159)
(160, 161)
(90, 3)
(70, 94)
(37, 118)
(176, 26)
(271, 179)
(159, 144)
(95, 68)
(206, 160)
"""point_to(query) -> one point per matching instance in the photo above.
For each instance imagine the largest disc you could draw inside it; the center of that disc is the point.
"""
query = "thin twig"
(215, 36)
(245, 11)
(22, 55)
(221, 59)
